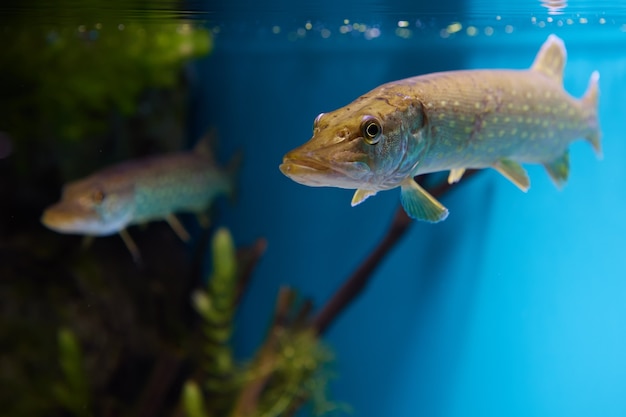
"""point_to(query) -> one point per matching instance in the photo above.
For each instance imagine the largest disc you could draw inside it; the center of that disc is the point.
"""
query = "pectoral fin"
(559, 169)
(455, 175)
(420, 205)
(361, 195)
(513, 172)
(132, 247)
(178, 227)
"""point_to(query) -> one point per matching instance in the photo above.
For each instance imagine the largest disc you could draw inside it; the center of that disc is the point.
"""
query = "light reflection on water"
(555, 7)
(367, 20)
(374, 20)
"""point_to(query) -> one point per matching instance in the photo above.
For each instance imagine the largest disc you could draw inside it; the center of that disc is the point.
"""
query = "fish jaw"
(68, 218)
(327, 167)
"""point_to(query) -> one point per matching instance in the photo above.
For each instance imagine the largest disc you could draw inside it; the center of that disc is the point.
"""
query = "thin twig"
(360, 278)
(164, 374)
(249, 257)
(248, 398)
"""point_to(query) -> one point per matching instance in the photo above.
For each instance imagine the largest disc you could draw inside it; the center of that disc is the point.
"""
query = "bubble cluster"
(472, 25)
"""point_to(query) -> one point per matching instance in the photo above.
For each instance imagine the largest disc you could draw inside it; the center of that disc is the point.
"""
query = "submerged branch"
(353, 286)
(249, 257)
(250, 395)
(164, 375)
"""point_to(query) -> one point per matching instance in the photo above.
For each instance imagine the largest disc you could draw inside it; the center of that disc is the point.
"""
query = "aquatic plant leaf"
(224, 259)
(216, 306)
(89, 70)
(301, 372)
(193, 401)
(73, 393)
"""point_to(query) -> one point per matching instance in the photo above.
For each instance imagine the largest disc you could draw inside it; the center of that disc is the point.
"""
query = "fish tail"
(590, 106)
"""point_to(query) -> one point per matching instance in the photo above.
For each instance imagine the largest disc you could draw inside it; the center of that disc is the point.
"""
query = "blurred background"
(515, 305)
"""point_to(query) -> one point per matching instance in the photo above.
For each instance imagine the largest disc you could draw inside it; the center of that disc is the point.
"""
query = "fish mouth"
(72, 219)
(55, 218)
(315, 172)
(307, 171)
(297, 160)
(63, 219)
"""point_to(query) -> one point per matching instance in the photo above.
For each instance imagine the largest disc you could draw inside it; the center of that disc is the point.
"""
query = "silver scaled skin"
(449, 121)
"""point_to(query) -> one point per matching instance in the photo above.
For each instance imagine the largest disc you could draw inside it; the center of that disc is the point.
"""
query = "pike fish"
(450, 121)
(140, 191)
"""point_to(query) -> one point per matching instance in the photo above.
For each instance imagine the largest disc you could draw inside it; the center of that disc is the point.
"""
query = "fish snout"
(325, 169)
(52, 218)
(304, 168)
(64, 217)
(295, 160)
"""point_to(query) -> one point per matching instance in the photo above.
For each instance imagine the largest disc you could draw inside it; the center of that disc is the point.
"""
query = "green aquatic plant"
(288, 368)
(88, 63)
(294, 373)
(70, 74)
(193, 400)
(216, 305)
(73, 392)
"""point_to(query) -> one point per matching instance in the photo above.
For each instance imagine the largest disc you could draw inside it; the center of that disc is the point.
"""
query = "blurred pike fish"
(449, 121)
(139, 191)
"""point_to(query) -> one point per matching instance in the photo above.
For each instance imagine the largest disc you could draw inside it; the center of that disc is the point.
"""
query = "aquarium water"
(516, 304)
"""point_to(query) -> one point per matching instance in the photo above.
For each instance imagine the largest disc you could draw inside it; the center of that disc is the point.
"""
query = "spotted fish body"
(139, 191)
(449, 121)
(473, 129)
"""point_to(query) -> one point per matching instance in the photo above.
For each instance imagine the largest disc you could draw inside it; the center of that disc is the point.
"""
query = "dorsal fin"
(551, 58)
(206, 144)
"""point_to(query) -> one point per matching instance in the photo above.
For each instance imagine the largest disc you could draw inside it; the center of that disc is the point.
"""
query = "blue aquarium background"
(515, 305)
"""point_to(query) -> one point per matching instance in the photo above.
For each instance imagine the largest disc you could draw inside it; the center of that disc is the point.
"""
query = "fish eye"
(371, 129)
(317, 120)
(98, 196)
